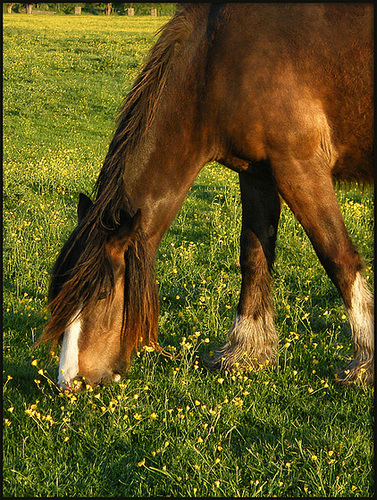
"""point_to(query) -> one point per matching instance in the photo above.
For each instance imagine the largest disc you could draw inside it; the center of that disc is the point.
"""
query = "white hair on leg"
(361, 318)
(69, 355)
(251, 343)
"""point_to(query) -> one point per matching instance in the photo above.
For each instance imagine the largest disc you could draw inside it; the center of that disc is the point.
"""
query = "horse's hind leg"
(252, 339)
(310, 194)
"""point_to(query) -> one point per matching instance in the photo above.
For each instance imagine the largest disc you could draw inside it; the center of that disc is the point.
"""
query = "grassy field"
(170, 427)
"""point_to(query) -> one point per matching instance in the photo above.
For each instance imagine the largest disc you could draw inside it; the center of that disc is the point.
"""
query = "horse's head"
(96, 296)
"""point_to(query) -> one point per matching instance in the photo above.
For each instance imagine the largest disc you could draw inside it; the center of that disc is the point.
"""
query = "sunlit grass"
(169, 427)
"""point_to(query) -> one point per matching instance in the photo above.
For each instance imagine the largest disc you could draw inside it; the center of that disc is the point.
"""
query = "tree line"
(95, 8)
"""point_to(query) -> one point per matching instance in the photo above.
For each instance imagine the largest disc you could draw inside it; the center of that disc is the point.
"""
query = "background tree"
(97, 8)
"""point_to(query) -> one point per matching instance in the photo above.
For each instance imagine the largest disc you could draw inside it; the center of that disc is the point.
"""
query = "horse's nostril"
(78, 384)
(75, 385)
(65, 387)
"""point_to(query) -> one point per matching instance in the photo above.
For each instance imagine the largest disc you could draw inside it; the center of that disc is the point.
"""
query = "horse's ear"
(127, 231)
(85, 203)
(119, 240)
(136, 222)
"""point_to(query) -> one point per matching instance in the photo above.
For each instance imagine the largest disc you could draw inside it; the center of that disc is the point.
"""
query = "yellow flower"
(153, 416)
(66, 439)
(137, 416)
(314, 458)
(34, 362)
(217, 484)
(149, 348)
(10, 409)
(7, 421)
(141, 463)
(237, 401)
(40, 371)
(217, 460)
(220, 380)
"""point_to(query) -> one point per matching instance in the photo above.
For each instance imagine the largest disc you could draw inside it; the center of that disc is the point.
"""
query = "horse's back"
(282, 76)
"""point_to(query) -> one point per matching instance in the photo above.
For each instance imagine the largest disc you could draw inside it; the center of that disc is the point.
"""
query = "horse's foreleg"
(312, 199)
(252, 339)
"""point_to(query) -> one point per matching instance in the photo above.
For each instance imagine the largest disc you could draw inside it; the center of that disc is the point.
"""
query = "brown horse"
(280, 93)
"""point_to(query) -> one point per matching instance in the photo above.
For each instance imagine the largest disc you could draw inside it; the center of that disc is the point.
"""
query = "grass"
(170, 427)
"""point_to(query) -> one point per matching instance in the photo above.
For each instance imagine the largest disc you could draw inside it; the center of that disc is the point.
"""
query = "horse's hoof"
(356, 376)
(211, 363)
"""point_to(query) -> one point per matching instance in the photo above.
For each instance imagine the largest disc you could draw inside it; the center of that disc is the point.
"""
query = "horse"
(280, 93)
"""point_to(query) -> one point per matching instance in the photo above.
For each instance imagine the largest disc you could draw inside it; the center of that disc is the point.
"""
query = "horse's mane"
(139, 108)
(82, 260)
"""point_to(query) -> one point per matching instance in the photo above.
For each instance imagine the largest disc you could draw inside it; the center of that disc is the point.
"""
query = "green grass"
(170, 427)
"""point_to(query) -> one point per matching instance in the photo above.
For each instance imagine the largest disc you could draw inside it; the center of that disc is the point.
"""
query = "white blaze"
(69, 355)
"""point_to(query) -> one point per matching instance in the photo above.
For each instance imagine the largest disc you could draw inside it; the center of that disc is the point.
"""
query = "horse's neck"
(160, 169)
(159, 173)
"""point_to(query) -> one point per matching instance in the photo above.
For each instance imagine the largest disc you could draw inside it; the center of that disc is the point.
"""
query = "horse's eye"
(103, 295)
